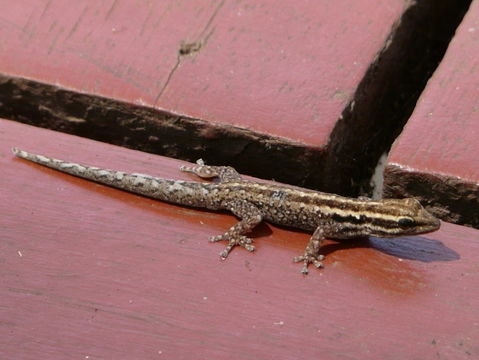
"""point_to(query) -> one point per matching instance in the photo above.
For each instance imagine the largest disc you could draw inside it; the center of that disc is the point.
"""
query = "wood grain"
(251, 64)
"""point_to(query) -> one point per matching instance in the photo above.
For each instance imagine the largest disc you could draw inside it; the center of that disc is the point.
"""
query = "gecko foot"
(232, 242)
(201, 170)
(307, 259)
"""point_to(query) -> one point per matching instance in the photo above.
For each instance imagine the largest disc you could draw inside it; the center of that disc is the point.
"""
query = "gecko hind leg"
(224, 173)
(311, 253)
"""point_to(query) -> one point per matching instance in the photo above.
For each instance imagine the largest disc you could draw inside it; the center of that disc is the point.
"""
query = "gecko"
(325, 215)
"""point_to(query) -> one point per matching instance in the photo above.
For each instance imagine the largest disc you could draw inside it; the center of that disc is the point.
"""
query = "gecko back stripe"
(328, 204)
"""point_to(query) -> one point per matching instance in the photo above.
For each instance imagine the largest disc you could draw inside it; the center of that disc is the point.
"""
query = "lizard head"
(402, 217)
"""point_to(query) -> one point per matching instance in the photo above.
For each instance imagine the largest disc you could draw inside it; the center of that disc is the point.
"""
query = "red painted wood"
(93, 272)
(262, 66)
(442, 134)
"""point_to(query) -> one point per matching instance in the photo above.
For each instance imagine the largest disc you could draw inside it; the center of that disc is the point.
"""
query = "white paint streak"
(377, 180)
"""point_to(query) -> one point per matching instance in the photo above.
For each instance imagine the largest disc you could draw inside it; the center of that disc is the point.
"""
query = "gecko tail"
(21, 154)
(175, 191)
(39, 159)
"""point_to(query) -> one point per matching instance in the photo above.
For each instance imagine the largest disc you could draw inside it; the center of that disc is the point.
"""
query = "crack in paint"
(190, 48)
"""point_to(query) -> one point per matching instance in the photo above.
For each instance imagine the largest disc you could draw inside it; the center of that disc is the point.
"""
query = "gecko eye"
(405, 222)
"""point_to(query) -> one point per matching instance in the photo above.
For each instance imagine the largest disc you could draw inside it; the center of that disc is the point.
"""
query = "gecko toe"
(241, 240)
(307, 259)
(201, 170)
(216, 238)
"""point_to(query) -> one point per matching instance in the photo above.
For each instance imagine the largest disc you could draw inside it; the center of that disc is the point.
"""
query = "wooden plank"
(435, 157)
(441, 136)
(251, 64)
(93, 272)
(248, 83)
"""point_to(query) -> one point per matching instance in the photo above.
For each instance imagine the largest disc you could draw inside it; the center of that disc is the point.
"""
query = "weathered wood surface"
(92, 272)
(253, 63)
(437, 155)
(246, 83)
(96, 273)
(442, 134)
